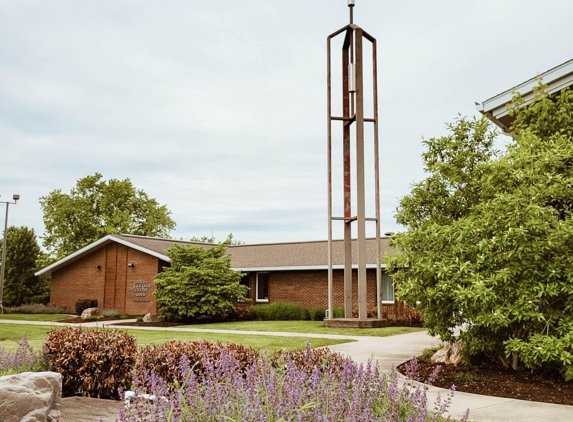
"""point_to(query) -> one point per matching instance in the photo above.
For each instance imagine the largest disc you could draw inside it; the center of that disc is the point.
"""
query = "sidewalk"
(388, 351)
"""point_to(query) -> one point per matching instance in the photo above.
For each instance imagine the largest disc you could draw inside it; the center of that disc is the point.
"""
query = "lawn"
(315, 327)
(36, 317)
(35, 335)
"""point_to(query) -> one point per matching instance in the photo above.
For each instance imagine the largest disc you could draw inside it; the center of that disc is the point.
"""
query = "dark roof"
(158, 244)
(267, 256)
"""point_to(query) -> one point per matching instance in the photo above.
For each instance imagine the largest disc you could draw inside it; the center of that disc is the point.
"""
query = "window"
(246, 281)
(387, 289)
(262, 287)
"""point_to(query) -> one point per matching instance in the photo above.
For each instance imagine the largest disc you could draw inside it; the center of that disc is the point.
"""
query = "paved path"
(387, 350)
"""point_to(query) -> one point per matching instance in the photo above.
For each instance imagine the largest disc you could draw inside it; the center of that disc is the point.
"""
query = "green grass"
(36, 317)
(11, 332)
(315, 327)
(35, 335)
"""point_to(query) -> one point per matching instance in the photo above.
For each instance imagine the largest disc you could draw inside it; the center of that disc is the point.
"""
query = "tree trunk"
(514, 361)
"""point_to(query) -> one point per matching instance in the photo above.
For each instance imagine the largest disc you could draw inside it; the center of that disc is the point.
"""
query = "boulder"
(31, 397)
(442, 356)
(456, 353)
(150, 318)
(450, 354)
(90, 312)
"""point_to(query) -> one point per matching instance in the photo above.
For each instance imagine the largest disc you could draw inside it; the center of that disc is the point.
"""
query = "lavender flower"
(225, 391)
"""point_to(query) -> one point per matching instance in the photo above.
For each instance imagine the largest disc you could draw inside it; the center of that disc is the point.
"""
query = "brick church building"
(118, 271)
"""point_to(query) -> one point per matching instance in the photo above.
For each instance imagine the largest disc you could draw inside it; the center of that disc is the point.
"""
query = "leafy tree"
(95, 208)
(199, 284)
(212, 239)
(22, 258)
(489, 242)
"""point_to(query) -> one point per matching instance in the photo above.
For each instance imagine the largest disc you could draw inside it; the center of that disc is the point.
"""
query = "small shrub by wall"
(279, 311)
(316, 314)
(338, 313)
(35, 308)
(83, 304)
(110, 313)
(93, 362)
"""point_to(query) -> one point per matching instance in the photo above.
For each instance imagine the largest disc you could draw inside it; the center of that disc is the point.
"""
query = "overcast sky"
(218, 108)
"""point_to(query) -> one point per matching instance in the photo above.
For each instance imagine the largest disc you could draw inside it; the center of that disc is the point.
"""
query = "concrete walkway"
(388, 351)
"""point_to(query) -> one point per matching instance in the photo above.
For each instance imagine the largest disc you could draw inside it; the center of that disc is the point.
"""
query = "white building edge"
(495, 108)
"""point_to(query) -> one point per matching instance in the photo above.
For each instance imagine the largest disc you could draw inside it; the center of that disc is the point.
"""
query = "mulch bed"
(80, 320)
(159, 324)
(491, 380)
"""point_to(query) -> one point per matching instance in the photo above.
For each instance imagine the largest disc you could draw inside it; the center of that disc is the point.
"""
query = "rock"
(31, 397)
(150, 318)
(456, 353)
(442, 355)
(90, 312)
(450, 354)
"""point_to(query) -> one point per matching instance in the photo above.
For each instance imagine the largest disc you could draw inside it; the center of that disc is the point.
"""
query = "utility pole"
(15, 198)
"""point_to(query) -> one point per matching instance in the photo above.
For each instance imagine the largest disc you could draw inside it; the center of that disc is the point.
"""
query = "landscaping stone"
(450, 354)
(442, 356)
(90, 312)
(456, 353)
(31, 397)
(152, 318)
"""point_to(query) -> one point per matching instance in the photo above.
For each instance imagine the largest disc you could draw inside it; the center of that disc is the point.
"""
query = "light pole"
(15, 198)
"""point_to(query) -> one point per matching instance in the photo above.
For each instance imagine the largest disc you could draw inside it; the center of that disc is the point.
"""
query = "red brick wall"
(310, 289)
(79, 280)
(140, 286)
(115, 285)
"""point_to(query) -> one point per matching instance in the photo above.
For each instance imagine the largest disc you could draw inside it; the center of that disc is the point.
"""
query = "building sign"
(140, 287)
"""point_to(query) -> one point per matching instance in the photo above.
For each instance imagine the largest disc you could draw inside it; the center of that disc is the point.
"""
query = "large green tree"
(95, 208)
(23, 257)
(488, 246)
(199, 284)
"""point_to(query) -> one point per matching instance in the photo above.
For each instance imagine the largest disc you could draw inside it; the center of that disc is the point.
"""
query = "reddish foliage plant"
(93, 362)
(165, 359)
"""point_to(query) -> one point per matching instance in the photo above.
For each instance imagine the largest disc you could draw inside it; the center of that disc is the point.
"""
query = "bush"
(309, 359)
(36, 308)
(338, 313)
(83, 304)
(199, 284)
(24, 359)
(91, 318)
(139, 319)
(93, 362)
(110, 313)
(165, 359)
(279, 311)
(316, 314)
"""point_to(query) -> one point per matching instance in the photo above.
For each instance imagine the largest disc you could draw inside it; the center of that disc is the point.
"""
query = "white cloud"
(218, 109)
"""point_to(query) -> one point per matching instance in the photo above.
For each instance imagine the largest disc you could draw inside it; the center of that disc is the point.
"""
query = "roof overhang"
(301, 268)
(495, 108)
(91, 248)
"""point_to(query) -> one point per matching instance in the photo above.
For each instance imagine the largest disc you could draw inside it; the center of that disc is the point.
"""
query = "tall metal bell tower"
(353, 119)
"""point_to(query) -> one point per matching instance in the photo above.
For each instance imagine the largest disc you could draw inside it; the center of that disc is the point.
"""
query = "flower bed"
(288, 392)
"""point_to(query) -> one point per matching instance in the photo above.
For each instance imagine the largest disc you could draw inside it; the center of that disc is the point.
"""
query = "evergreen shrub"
(83, 304)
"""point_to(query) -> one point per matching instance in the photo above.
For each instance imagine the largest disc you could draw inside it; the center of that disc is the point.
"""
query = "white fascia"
(302, 268)
(85, 249)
